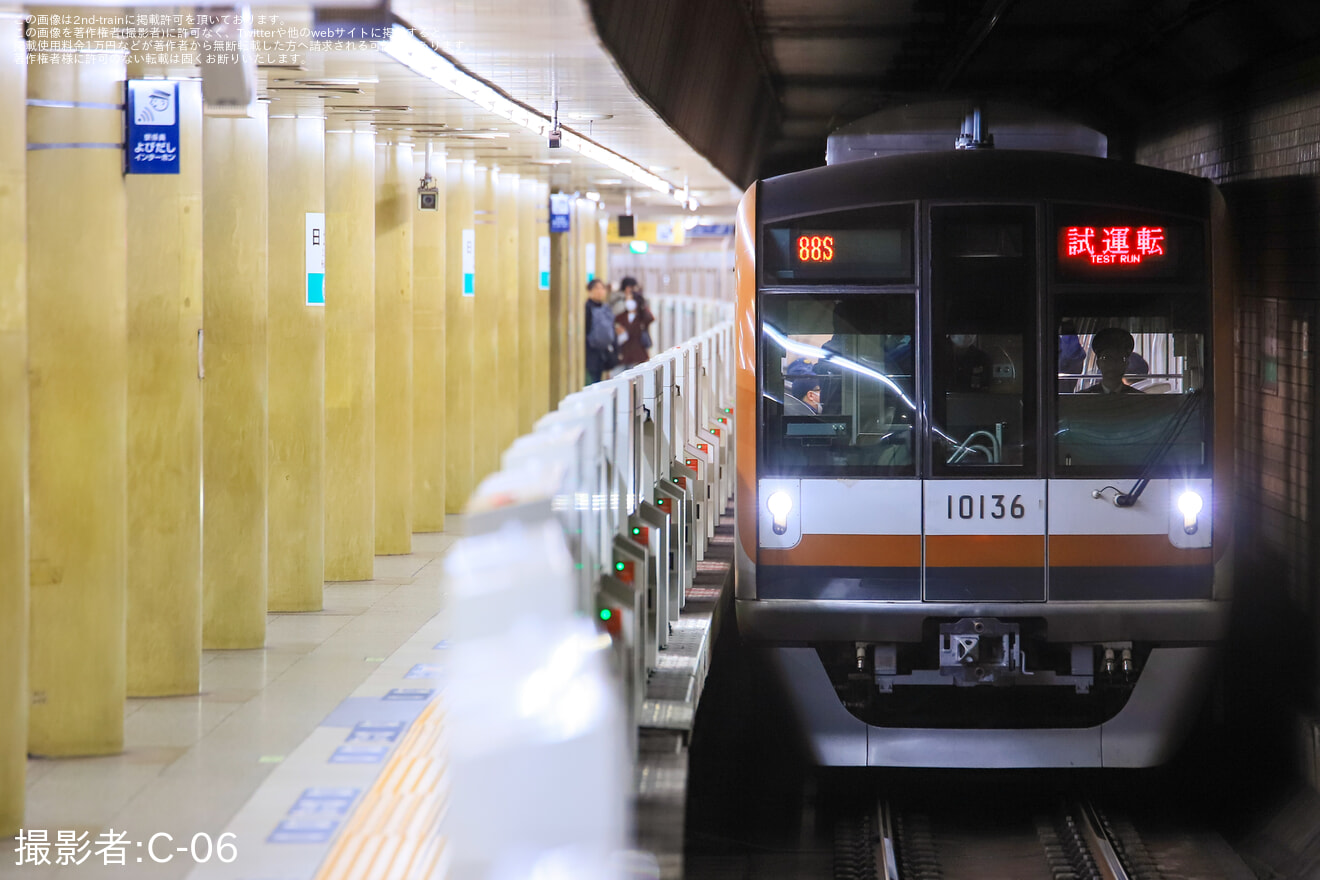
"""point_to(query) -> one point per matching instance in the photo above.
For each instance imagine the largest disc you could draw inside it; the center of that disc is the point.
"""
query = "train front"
(984, 426)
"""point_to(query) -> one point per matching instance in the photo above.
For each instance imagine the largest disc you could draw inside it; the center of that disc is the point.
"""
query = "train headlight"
(1190, 504)
(779, 504)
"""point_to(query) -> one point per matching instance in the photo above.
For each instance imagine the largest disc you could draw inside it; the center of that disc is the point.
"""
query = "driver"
(1112, 347)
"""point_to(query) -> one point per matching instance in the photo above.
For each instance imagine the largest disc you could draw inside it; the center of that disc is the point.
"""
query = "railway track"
(988, 839)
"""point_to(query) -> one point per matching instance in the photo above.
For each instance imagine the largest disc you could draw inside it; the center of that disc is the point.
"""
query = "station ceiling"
(532, 55)
(805, 67)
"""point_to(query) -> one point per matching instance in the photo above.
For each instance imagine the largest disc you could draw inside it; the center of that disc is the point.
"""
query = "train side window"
(1131, 388)
(983, 287)
(838, 384)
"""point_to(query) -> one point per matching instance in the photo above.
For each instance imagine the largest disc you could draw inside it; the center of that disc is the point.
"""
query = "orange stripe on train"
(745, 390)
(881, 551)
(1121, 551)
(985, 551)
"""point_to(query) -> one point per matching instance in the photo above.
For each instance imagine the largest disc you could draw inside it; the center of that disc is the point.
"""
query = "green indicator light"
(618, 566)
(636, 531)
(727, 410)
(605, 614)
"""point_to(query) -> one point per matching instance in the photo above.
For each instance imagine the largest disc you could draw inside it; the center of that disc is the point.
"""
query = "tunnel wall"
(1259, 139)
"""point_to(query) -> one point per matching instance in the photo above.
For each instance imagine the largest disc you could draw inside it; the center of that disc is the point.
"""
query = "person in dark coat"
(1072, 357)
(599, 335)
(632, 329)
(803, 398)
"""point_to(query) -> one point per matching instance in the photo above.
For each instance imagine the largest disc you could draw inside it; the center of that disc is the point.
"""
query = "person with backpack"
(601, 353)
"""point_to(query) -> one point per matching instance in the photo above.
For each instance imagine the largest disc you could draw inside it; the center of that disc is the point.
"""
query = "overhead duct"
(938, 126)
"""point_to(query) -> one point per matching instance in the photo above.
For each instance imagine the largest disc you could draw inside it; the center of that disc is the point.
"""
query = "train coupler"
(981, 650)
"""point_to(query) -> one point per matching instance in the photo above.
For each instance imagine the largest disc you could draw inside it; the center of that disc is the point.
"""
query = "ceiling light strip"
(422, 59)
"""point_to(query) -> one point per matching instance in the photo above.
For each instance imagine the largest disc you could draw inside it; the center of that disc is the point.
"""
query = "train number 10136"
(986, 507)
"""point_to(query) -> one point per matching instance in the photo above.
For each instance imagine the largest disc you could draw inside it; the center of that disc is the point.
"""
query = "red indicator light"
(815, 248)
(1113, 245)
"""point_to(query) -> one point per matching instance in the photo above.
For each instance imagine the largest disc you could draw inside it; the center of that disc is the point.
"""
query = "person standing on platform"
(601, 353)
(632, 327)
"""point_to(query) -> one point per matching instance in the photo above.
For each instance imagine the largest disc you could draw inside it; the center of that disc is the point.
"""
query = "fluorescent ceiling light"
(420, 58)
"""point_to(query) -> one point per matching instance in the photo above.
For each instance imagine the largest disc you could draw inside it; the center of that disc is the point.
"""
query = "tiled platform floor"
(191, 763)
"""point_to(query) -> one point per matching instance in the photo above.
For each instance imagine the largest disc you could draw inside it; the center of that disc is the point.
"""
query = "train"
(984, 449)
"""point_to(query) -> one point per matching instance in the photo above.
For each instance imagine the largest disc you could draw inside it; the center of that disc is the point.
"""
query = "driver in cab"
(1112, 347)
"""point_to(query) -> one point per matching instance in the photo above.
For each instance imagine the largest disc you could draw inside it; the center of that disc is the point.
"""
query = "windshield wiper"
(1181, 416)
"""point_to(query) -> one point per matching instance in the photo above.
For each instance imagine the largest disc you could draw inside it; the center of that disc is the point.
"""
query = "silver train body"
(966, 537)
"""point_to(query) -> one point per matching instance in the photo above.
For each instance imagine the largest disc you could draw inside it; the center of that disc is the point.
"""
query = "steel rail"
(1107, 860)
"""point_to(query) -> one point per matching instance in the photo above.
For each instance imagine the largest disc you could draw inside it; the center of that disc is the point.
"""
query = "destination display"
(1095, 245)
(870, 246)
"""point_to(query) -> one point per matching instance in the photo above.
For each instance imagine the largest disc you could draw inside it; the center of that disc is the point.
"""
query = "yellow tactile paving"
(394, 833)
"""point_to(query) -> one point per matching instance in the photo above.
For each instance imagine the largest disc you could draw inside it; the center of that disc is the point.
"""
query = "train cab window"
(983, 287)
(838, 384)
(1131, 395)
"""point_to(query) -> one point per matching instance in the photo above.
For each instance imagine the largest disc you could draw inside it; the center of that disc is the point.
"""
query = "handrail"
(994, 453)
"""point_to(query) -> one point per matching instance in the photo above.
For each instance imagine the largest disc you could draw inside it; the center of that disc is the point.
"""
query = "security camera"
(555, 136)
(428, 196)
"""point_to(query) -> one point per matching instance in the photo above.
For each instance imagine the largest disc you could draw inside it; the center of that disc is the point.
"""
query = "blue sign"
(424, 670)
(409, 694)
(357, 754)
(560, 204)
(152, 145)
(711, 230)
(368, 733)
(315, 816)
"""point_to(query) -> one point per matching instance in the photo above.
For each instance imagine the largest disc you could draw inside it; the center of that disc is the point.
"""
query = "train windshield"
(1131, 384)
(983, 320)
(838, 384)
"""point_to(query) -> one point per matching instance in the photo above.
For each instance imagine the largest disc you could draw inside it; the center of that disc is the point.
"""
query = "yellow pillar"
(395, 199)
(234, 481)
(583, 231)
(77, 349)
(429, 358)
(486, 343)
(460, 368)
(165, 418)
(602, 248)
(530, 371)
(562, 296)
(511, 342)
(296, 351)
(350, 354)
(577, 359)
(13, 428)
(542, 346)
